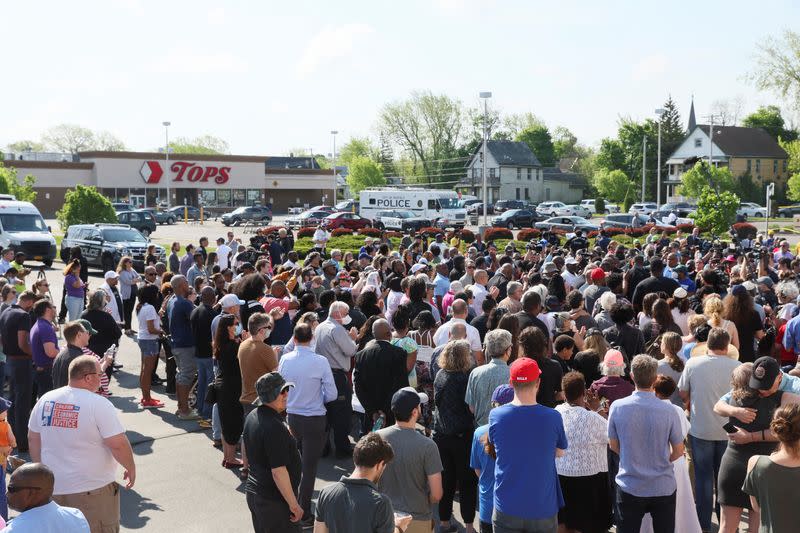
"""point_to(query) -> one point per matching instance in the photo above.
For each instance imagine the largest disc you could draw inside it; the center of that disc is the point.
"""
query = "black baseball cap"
(406, 400)
(269, 386)
(765, 370)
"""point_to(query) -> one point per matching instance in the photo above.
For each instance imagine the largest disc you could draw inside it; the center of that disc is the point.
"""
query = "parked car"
(329, 209)
(180, 213)
(347, 206)
(662, 219)
(643, 208)
(162, 217)
(749, 209)
(789, 211)
(122, 206)
(578, 211)
(141, 219)
(306, 218)
(476, 209)
(515, 218)
(589, 204)
(682, 209)
(252, 213)
(551, 209)
(622, 220)
(104, 244)
(571, 223)
(405, 221)
(345, 220)
(504, 205)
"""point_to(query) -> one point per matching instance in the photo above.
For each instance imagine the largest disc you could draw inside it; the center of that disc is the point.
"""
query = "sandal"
(231, 465)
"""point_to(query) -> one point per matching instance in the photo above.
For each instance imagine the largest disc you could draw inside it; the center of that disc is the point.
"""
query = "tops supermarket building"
(144, 179)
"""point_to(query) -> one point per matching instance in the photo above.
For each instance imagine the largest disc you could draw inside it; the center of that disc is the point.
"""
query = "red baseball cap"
(597, 274)
(524, 370)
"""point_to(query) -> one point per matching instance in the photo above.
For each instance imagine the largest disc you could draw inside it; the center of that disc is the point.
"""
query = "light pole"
(166, 125)
(660, 113)
(334, 133)
(485, 95)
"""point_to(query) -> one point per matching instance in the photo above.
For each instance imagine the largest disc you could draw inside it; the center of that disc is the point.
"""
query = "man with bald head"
(380, 370)
(30, 492)
(77, 433)
(201, 319)
(179, 310)
(460, 311)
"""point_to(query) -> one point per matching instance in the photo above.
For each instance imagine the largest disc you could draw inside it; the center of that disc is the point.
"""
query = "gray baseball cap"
(269, 386)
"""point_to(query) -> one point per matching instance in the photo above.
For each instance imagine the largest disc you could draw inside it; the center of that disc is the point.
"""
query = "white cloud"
(186, 61)
(217, 16)
(649, 67)
(331, 43)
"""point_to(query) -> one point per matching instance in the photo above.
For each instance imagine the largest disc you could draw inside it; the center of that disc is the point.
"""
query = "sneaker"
(205, 424)
(191, 415)
(152, 403)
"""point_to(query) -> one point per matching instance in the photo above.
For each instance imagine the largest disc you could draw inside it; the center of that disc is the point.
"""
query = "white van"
(441, 207)
(23, 228)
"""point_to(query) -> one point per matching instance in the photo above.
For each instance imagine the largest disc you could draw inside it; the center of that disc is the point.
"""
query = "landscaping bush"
(492, 234)
(274, 229)
(338, 232)
(429, 231)
(467, 236)
(744, 230)
(686, 228)
(528, 234)
(369, 232)
(393, 234)
(306, 232)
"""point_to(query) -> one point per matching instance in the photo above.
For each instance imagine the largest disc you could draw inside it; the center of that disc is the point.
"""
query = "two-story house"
(744, 151)
(514, 173)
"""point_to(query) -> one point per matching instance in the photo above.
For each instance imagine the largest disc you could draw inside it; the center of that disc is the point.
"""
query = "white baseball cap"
(230, 300)
(111, 275)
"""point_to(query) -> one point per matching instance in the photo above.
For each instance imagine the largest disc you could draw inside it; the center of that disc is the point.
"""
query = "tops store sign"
(152, 171)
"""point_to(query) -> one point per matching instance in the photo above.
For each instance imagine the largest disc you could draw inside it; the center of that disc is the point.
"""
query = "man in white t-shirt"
(442, 335)
(77, 433)
(223, 254)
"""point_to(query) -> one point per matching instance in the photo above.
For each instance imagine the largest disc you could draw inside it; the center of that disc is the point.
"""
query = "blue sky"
(271, 76)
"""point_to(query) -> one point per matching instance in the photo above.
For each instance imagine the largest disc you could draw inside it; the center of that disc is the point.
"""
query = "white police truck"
(441, 207)
(23, 229)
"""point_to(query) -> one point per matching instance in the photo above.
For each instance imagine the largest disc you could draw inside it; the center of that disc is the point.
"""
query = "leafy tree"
(793, 149)
(202, 144)
(716, 210)
(69, 138)
(769, 119)
(748, 190)
(515, 123)
(108, 142)
(611, 155)
(85, 205)
(794, 187)
(357, 147)
(539, 140)
(727, 111)
(599, 205)
(428, 128)
(778, 67)
(9, 184)
(698, 177)
(386, 156)
(364, 172)
(25, 146)
(613, 185)
(564, 143)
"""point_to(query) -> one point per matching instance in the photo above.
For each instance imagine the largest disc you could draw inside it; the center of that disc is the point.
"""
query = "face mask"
(238, 329)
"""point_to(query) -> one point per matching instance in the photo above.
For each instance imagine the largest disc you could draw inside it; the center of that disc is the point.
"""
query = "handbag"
(211, 392)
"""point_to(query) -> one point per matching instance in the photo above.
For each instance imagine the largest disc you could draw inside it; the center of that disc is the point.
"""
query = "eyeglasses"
(12, 489)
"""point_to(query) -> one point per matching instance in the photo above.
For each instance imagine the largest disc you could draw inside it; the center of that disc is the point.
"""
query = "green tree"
(108, 142)
(793, 149)
(357, 147)
(564, 143)
(85, 205)
(363, 172)
(611, 155)
(386, 157)
(69, 138)
(202, 144)
(539, 140)
(794, 187)
(716, 210)
(778, 66)
(515, 123)
(613, 185)
(769, 119)
(698, 177)
(9, 184)
(25, 146)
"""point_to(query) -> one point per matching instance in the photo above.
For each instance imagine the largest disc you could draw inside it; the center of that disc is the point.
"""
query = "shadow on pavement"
(141, 444)
(135, 505)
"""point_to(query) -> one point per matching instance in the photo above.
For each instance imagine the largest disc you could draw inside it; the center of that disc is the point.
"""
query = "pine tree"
(386, 157)
(672, 135)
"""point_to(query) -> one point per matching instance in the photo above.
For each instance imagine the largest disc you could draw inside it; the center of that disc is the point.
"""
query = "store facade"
(144, 179)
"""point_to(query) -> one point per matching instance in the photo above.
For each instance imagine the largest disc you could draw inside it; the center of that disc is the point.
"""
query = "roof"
(511, 153)
(750, 142)
(291, 162)
(556, 174)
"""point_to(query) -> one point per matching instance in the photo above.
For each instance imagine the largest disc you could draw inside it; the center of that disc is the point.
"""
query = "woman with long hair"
(229, 388)
(368, 304)
(149, 334)
(401, 324)
(510, 323)
(738, 308)
(108, 332)
(8, 295)
(646, 314)
(128, 279)
(365, 333)
(76, 289)
(661, 323)
(772, 481)
(453, 425)
(749, 439)
(712, 310)
(681, 309)
(424, 327)
(672, 365)
(150, 258)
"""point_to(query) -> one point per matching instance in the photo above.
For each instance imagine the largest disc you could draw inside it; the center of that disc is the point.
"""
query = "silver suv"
(104, 244)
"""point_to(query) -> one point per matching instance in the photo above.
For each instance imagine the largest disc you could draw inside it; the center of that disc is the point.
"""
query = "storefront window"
(209, 196)
(153, 197)
(224, 197)
(111, 193)
(239, 196)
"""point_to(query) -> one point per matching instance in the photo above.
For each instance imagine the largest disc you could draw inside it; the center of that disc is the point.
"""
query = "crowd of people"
(571, 385)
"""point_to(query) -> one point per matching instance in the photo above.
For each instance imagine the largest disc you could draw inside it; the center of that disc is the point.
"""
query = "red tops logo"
(151, 172)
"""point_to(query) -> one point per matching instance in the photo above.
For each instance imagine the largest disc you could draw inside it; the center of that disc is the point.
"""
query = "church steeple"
(692, 121)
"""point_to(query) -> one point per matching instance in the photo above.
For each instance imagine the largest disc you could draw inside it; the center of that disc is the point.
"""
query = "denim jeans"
(706, 457)
(44, 380)
(20, 386)
(216, 425)
(205, 374)
(74, 307)
(633, 508)
(503, 523)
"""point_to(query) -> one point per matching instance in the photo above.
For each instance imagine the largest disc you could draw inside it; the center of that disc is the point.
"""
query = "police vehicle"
(443, 208)
(405, 221)
(23, 229)
(104, 244)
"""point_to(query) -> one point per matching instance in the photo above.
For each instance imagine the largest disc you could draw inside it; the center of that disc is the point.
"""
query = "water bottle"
(379, 422)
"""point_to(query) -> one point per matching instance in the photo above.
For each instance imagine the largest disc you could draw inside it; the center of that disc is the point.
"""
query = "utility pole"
(166, 125)
(644, 162)
(485, 95)
(660, 113)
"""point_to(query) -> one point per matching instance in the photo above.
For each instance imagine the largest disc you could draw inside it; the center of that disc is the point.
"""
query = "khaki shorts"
(420, 526)
(99, 506)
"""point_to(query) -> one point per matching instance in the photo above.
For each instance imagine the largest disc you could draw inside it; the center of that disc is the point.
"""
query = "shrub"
(85, 205)
(528, 234)
(492, 234)
(306, 232)
(599, 205)
(745, 231)
(369, 232)
(429, 231)
(338, 232)
(274, 229)
(467, 236)
(393, 234)
(686, 228)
